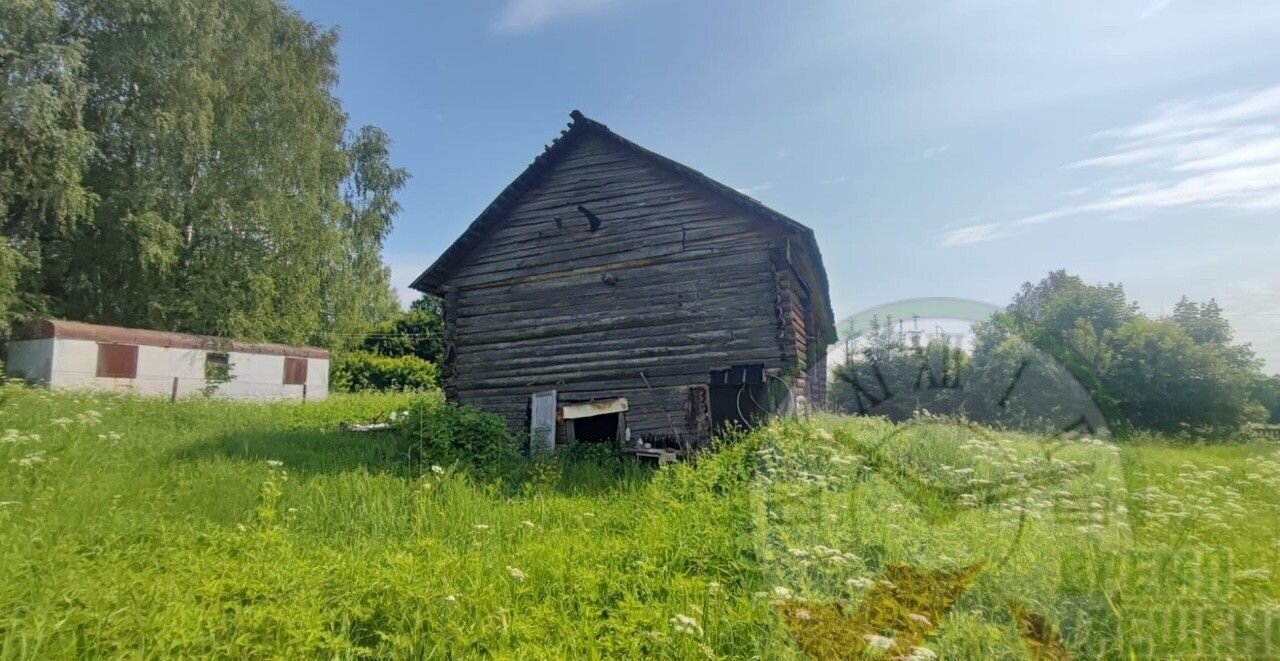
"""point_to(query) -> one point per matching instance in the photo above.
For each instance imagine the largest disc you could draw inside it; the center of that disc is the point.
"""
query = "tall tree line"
(1063, 345)
(185, 165)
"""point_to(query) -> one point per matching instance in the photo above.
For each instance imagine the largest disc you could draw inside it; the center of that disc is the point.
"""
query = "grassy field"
(139, 528)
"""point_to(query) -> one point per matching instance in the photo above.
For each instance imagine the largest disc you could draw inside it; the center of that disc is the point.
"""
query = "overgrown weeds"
(137, 527)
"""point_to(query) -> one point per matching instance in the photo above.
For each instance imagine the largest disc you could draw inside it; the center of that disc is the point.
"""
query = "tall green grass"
(1148, 550)
(153, 529)
(139, 528)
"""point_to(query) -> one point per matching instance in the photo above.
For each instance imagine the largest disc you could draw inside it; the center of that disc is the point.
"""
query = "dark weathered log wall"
(673, 284)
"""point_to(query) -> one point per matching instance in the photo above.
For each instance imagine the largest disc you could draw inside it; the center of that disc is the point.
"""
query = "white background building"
(68, 354)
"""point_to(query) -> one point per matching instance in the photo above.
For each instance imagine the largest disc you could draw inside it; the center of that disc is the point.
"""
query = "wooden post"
(173, 393)
(304, 392)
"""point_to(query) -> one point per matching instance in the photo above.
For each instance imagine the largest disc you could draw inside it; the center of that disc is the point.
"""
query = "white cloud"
(973, 234)
(1206, 115)
(528, 15)
(934, 152)
(752, 190)
(1220, 152)
(1154, 8)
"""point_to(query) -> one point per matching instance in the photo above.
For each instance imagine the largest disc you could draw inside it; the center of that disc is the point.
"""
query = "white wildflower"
(781, 592)
(481, 526)
(686, 625)
(34, 459)
(878, 642)
(921, 654)
(437, 470)
(516, 573)
(528, 524)
(275, 463)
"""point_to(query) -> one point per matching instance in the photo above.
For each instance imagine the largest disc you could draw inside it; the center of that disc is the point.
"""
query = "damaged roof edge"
(434, 276)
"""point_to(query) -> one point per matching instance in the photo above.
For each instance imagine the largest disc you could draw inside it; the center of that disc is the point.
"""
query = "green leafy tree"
(358, 283)
(44, 146)
(419, 332)
(1163, 380)
(1182, 373)
(185, 165)
(892, 375)
(1266, 391)
(1060, 300)
(1204, 324)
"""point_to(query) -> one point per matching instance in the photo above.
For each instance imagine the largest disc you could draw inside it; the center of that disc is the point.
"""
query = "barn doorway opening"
(597, 428)
(738, 396)
(598, 421)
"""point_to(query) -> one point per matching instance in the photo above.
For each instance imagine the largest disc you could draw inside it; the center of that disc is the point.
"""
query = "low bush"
(360, 370)
(440, 432)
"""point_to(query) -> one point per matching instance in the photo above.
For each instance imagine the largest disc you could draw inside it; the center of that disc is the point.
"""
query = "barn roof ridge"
(583, 125)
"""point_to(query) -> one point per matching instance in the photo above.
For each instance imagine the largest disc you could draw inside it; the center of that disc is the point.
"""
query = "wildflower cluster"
(13, 436)
(819, 554)
(86, 418)
(1266, 472)
(1022, 485)
(1201, 501)
(686, 625)
(31, 460)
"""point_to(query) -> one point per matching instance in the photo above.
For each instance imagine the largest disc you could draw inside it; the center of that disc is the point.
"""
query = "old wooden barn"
(612, 294)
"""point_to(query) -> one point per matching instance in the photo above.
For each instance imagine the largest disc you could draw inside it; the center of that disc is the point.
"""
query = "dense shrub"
(361, 370)
(439, 432)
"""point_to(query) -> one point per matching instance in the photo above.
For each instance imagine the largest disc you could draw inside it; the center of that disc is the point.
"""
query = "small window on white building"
(295, 371)
(117, 361)
(217, 367)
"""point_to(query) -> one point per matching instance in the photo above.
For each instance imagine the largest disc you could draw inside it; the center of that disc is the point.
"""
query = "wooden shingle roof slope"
(582, 126)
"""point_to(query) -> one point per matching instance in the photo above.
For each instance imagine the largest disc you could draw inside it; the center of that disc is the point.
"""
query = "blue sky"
(951, 148)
